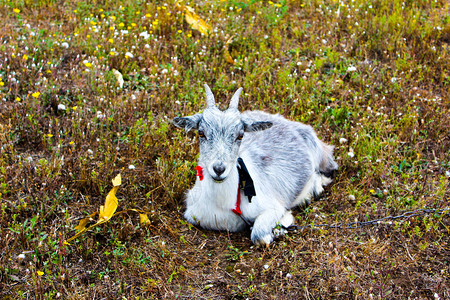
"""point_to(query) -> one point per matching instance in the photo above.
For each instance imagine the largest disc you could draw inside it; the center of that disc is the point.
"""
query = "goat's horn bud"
(209, 97)
(235, 99)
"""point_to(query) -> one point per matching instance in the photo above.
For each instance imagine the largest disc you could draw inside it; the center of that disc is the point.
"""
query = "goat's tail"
(327, 166)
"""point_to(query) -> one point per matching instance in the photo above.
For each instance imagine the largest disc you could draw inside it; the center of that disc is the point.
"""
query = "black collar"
(245, 180)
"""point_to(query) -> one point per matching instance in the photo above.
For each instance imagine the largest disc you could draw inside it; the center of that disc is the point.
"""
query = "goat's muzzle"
(219, 168)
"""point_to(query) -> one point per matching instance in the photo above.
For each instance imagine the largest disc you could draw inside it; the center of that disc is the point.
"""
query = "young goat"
(285, 159)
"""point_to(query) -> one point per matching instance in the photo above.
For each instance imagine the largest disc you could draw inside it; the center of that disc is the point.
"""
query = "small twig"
(407, 251)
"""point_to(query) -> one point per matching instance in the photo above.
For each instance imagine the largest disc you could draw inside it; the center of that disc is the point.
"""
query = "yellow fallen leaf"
(228, 57)
(66, 242)
(82, 224)
(111, 203)
(144, 219)
(194, 20)
(117, 180)
(227, 54)
(119, 77)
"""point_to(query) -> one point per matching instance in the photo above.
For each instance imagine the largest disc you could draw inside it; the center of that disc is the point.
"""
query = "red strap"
(237, 210)
(199, 172)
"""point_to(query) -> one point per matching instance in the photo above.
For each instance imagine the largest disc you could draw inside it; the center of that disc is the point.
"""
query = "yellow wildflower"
(16, 10)
(36, 94)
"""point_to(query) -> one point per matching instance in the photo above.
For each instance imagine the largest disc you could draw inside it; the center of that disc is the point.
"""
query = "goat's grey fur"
(287, 162)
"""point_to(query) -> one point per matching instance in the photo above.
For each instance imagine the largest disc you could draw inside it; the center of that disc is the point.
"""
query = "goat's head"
(220, 134)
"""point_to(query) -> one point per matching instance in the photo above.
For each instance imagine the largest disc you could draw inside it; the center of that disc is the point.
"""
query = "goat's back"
(285, 157)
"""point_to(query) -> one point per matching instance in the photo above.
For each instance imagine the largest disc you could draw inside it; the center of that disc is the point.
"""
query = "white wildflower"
(351, 69)
(144, 34)
(61, 107)
(119, 77)
(343, 140)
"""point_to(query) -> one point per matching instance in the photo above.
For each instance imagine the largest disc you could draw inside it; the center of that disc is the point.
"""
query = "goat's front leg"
(262, 232)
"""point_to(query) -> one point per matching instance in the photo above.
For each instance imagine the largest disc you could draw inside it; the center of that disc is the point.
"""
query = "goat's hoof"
(263, 241)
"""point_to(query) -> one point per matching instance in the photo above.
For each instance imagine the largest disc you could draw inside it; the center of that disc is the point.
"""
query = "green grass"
(376, 73)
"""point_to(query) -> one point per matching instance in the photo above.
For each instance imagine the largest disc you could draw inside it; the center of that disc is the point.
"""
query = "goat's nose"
(219, 169)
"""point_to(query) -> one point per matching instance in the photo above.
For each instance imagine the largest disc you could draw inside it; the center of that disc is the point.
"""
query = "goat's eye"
(201, 134)
(240, 136)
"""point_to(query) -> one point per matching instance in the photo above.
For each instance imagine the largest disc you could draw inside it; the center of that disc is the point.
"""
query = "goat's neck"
(223, 194)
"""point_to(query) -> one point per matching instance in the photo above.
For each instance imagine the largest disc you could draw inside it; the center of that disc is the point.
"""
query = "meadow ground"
(372, 77)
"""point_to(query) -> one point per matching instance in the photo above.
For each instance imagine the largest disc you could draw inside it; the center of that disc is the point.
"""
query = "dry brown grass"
(292, 58)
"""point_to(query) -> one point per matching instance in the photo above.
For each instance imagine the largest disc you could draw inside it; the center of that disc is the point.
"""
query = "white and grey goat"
(286, 161)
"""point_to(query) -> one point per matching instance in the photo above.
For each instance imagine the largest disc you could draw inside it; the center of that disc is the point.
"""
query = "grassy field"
(372, 77)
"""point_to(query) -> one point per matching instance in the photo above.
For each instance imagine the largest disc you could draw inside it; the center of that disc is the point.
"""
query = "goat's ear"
(188, 123)
(257, 126)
